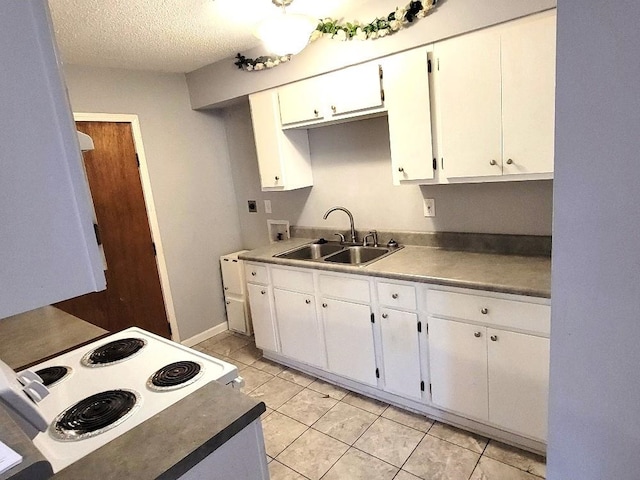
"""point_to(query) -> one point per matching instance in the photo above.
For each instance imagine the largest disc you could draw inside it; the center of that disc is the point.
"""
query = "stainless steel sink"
(357, 255)
(311, 251)
(334, 252)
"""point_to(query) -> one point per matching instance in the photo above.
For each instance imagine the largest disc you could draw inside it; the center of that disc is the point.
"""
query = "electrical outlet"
(267, 206)
(429, 207)
(253, 206)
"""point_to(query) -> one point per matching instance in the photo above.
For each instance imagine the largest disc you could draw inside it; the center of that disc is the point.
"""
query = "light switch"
(267, 206)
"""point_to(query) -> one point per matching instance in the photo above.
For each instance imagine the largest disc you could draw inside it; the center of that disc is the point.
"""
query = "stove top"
(78, 403)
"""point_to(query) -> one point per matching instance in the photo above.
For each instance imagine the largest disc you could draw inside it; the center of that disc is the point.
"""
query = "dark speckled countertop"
(515, 274)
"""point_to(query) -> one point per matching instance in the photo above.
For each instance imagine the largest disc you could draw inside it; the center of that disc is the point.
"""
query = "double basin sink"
(334, 252)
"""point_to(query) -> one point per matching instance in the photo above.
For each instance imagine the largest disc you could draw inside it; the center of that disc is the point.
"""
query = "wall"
(189, 169)
(595, 349)
(352, 167)
(222, 81)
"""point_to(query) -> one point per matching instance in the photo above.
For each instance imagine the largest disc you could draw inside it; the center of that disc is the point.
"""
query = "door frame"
(145, 180)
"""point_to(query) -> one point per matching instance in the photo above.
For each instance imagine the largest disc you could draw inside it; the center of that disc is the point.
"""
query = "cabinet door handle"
(401, 170)
(384, 315)
(263, 292)
(307, 301)
(324, 305)
(316, 112)
(493, 162)
(477, 334)
(228, 302)
(484, 311)
(253, 274)
(394, 295)
(277, 178)
(509, 162)
(333, 108)
(494, 338)
(226, 288)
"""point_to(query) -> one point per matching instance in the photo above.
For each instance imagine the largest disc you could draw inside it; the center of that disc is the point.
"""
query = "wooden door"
(133, 296)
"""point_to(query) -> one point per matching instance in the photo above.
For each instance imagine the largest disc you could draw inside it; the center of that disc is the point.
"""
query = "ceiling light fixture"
(285, 33)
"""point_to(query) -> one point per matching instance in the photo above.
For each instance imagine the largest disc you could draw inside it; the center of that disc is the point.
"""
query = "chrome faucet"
(354, 237)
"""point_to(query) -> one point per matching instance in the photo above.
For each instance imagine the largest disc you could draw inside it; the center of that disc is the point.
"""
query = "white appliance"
(134, 375)
(235, 293)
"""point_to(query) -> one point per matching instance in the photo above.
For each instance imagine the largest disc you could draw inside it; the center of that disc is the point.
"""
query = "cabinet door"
(528, 95)
(353, 89)
(264, 327)
(298, 327)
(236, 314)
(518, 382)
(468, 90)
(300, 102)
(406, 86)
(284, 161)
(458, 367)
(232, 276)
(401, 353)
(349, 340)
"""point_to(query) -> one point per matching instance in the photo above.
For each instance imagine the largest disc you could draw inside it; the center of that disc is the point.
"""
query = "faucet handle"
(374, 237)
(342, 239)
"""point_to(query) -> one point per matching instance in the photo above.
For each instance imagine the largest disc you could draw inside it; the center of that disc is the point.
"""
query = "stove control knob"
(36, 391)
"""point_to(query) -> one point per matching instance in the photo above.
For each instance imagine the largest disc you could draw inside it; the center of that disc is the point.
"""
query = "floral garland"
(331, 28)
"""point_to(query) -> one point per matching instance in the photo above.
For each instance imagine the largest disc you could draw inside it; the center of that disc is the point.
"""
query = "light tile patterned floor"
(314, 430)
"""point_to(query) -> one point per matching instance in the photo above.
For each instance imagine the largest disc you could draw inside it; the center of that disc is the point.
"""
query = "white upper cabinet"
(495, 94)
(284, 161)
(48, 247)
(334, 97)
(406, 87)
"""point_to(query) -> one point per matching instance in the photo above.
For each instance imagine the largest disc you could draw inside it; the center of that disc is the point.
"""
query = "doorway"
(135, 293)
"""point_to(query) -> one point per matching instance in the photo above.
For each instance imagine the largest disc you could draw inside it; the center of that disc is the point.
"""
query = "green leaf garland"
(331, 28)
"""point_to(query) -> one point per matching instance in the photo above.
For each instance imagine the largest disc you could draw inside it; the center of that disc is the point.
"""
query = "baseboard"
(201, 337)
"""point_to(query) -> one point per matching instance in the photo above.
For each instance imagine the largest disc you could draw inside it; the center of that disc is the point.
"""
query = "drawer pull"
(477, 334)
(228, 302)
(226, 288)
(394, 296)
(324, 305)
(484, 311)
(263, 292)
(384, 315)
(494, 338)
(253, 274)
(307, 301)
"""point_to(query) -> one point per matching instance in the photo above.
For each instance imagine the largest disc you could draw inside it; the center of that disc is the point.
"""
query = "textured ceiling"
(165, 35)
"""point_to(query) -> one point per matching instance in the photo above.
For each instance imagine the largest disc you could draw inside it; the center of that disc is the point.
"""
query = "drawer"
(296, 280)
(347, 288)
(255, 273)
(396, 295)
(511, 314)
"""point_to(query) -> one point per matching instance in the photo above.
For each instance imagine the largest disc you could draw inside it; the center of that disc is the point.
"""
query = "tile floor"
(314, 430)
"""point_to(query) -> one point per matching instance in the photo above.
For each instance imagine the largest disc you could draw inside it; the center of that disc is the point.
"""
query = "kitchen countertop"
(32, 336)
(514, 274)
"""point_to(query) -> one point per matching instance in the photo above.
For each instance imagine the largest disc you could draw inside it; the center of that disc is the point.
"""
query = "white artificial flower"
(400, 13)
(276, 62)
(360, 34)
(259, 66)
(316, 34)
(421, 14)
(373, 35)
(269, 64)
(340, 35)
(249, 67)
(395, 25)
(383, 32)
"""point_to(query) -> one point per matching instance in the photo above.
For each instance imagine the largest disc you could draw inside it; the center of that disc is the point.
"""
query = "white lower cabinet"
(300, 336)
(401, 353)
(264, 328)
(348, 332)
(489, 374)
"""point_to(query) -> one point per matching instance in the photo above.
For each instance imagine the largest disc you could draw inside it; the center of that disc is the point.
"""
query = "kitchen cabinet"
(495, 93)
(487, 373)
(400, 339)
(261, 304)
(284, 161)
(407, 98)
(48, 246)
(296, 316)
(332, 97)
(235, 295)
(348, 328)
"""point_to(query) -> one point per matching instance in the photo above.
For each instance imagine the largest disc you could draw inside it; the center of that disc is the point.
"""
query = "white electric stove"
(97, 399)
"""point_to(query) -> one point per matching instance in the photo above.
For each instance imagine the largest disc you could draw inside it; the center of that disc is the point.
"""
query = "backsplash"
(528, 245)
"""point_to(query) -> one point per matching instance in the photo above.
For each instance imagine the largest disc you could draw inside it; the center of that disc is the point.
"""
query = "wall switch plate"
(253, 206)
(267, 206)
(429, 207)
